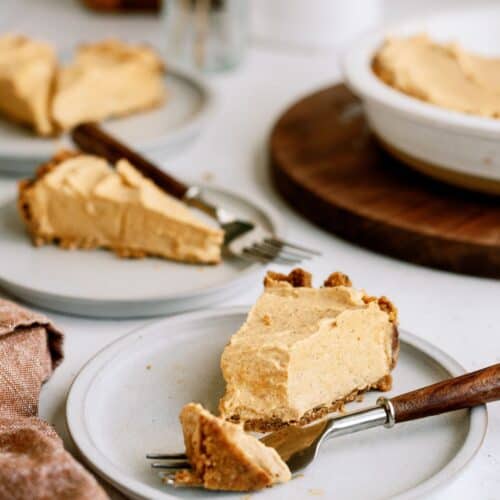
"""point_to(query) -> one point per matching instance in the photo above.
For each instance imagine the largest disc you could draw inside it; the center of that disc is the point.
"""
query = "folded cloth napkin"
(33, 462)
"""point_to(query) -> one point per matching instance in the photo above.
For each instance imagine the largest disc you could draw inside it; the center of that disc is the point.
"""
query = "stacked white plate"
(99, 284)
(166, 129)
(126, 401)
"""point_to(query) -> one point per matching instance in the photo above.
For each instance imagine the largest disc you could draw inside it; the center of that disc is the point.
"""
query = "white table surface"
(459, 314)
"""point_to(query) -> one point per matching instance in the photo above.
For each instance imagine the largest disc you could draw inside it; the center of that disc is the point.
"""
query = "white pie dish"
(164, 130)
(455, 147)
(125, 402)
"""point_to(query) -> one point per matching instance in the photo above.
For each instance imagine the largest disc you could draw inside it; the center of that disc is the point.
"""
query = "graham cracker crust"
(217, 464)
(337, 279)
(268, 425)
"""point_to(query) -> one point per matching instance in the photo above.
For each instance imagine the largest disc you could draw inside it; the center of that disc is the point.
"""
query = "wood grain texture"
(328, 165)
(91, 139)
(472, 389)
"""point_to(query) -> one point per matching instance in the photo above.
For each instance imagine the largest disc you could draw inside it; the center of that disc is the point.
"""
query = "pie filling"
(442, 74)
(304, 351)
(27, 72)
(80, 201)
(105, 79)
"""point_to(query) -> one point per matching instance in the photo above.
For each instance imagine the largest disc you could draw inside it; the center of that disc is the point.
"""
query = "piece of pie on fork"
(224, 457)
(302, 353)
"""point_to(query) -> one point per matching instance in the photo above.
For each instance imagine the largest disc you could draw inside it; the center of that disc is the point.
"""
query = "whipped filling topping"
(442, 74)
(303, 348)
(107, 79)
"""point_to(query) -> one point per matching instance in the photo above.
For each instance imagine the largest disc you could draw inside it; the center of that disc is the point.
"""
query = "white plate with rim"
(455, 147)
(165, 129)
(97, 283)
(126, 400)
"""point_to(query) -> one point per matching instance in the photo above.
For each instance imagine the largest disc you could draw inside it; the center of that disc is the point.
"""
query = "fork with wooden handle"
(299, 446)
(242, 238)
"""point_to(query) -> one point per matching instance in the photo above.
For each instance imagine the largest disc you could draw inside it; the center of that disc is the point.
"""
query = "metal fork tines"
(299, 446)
(280, 251)
(249, 240)
(171, 463)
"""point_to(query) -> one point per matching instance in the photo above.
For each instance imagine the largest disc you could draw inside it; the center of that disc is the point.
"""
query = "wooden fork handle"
(89, 137)
(465, 391)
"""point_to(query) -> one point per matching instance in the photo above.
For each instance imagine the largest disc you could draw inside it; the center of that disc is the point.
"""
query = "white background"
(459, 314)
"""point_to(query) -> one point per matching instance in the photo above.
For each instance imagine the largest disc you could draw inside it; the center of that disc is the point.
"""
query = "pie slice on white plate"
(80, 201)
(303, 351)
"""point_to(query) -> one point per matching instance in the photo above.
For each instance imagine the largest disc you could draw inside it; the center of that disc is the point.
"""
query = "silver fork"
(299, 446)
(242, 238)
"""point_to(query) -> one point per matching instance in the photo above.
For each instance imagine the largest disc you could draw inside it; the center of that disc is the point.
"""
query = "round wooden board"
(328, 165)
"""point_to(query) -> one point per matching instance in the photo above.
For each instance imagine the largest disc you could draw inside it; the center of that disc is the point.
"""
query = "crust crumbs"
(268, 425)
(395, 346)
(128, 253)
(300, 278)
(337, 279)
(385, 383)
(385, 305)
(390, 309)
(266, 319)
(185, 477)
(296, 278)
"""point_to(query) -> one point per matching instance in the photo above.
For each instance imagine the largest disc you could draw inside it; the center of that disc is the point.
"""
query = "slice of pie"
(304, 351)
(224, 457)
(27, 70)
(106, 79)
(80, 201)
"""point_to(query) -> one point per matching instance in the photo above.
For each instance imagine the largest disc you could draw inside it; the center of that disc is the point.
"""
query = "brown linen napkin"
(33, 462)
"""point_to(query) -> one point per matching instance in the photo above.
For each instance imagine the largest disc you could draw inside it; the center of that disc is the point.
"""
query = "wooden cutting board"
(326, 163)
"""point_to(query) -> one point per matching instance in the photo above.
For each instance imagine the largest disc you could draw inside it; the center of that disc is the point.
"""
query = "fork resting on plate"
(299, 446)
(242, 238)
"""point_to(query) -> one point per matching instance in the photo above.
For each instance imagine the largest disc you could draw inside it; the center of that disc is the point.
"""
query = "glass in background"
(209, 35)
(313, 24)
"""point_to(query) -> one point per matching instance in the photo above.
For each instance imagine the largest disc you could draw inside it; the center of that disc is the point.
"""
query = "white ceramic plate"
(453, 146)
(165, 129)
(99, 284)
(125, 402)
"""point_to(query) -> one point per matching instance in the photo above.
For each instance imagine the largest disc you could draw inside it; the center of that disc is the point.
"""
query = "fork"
(242, 238)
(299, 446)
